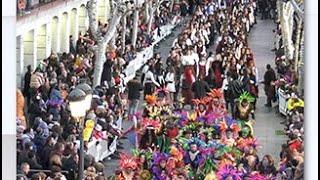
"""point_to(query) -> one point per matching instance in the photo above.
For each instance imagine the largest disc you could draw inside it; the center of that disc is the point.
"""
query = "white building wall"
(40, 33)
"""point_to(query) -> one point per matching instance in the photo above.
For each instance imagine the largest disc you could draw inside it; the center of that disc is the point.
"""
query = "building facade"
(47, 28)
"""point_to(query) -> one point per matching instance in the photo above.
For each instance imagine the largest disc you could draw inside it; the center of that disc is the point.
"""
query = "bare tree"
(135, 23)
(102, 39)
(153, 9)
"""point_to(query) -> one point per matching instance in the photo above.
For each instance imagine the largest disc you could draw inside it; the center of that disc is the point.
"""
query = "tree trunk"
(123, 35)
(135, 25)
(98, 66)
(102, 42)
(146, 10)
(172, 5)
(150, 18)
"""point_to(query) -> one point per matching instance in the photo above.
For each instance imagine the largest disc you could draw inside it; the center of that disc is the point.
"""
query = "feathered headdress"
(216, 113)
(246, 127)
(206, 131)
(151, 99)
(159, 157)
(229, 124)
(203, 101)
(228, 171)
(251, 142)
(229, 150)
(209, 165)
(257, 176)
(137, 152)
(215, 93)
(162, 91)
(149, 123)
(128, 162)
(246, 96)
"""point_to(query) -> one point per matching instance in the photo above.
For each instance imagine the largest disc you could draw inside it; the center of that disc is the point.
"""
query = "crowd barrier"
(283, 98)
(147, 53)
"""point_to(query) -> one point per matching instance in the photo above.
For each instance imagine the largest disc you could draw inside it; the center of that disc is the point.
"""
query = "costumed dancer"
(128, 167)
(189, 76)
(228, 172)
(231, 129)
(160, 169)
(201, 106)
(245, 108)
(215, 100)
(250, 159)
(192, 159)
(143, 158)
(148, 139)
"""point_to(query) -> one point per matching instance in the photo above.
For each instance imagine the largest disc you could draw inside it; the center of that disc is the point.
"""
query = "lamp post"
(79, 103)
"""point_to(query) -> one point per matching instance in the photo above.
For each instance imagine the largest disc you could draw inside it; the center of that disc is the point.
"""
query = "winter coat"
(134, 87)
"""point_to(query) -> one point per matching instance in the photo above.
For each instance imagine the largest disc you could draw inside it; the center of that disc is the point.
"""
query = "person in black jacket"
(235, 88)
(32, 161)
(269, 78)
(26, 89)
(134, 87)
(200, 88)
(107, 72)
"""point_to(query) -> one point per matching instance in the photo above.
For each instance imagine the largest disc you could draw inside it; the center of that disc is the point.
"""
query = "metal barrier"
(283, 98)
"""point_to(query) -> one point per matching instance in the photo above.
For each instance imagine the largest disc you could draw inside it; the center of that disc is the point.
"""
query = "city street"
(268, 129)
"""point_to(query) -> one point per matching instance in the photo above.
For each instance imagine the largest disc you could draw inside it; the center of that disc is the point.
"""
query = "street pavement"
(267, 124)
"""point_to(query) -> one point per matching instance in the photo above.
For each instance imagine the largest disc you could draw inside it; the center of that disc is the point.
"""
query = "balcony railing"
(25, 7)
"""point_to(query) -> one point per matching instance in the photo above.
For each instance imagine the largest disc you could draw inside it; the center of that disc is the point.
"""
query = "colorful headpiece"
(216, 113)
(162, 92)
(246, 96)
(149, 123)
(229, 124)
(128, 162)
(215, 93)
(209, 165)
(203, 101)
(159, 157)
(251, 142)
(151, 99)
(229, 150)
(227, 171)
(244, 125)
(257, 176)
(137, 152)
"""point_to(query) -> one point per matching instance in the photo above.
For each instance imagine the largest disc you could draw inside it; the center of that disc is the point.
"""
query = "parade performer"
(160, 169)
(149, 140)
(228, 172)
(245, 107)
(189, 76)
(230, 127)
(128, 167)
(192, 158)
(215, 99)
(201, 106)
(143, 158)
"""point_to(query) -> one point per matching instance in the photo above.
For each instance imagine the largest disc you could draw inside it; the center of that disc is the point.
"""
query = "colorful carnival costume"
(245, 107)
(128, 167)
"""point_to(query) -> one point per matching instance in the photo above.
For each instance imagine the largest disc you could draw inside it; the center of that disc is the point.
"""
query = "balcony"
(27, 7)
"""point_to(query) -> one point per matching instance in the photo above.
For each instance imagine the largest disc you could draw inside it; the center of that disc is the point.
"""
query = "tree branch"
(93, 23)
(118, 13)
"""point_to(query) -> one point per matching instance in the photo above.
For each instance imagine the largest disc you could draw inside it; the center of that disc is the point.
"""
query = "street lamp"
(87, 89)
(79, 103)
